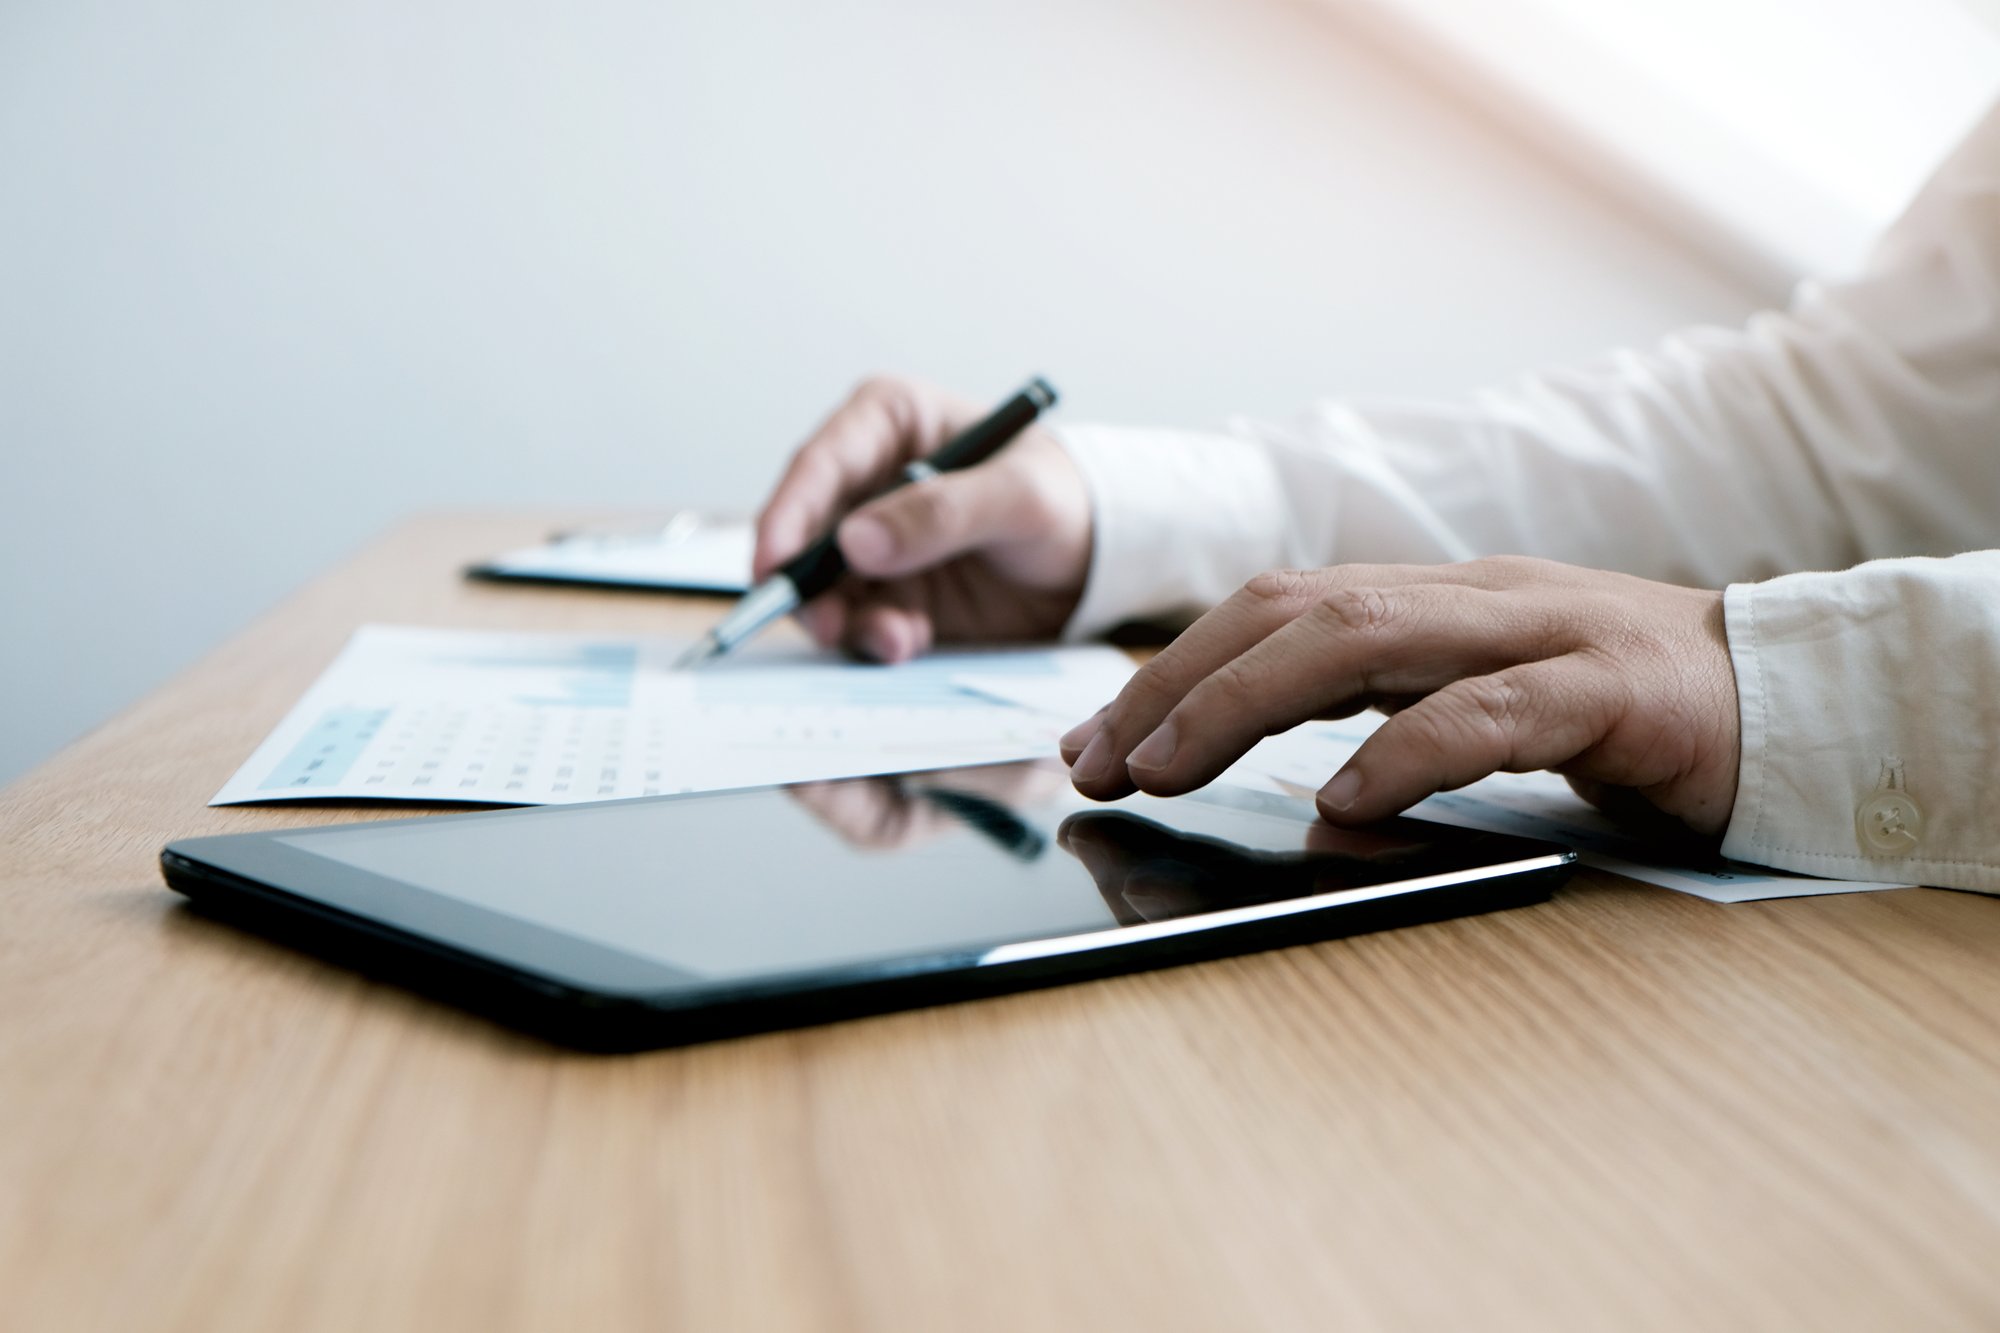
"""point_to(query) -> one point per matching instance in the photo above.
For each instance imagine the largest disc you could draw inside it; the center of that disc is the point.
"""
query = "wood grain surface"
(1622, 1109)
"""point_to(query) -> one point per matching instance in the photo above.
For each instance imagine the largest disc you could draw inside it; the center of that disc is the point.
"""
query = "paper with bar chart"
(533, 719)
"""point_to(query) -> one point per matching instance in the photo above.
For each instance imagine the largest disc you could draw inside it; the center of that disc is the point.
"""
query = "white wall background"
(274, 274)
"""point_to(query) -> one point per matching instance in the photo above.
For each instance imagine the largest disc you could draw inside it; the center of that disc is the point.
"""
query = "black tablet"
(635, 923)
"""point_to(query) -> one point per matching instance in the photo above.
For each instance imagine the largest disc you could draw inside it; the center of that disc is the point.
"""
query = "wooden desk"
(1624, 1109)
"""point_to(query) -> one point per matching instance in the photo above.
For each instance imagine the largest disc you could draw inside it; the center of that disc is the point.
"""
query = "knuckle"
(881, 387)
(1492, 705)
(1284, 588)
(894, 401)
(1474, 719)
(1232, 683)
(930, 507)
(1358, 610)
(817, 464)
(810, 450)
(1152, 683)
(1428, 732)
(1153, 689)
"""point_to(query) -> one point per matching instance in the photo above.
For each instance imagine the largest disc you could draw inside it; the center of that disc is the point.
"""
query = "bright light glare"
(1796, 128)
(1859, 96)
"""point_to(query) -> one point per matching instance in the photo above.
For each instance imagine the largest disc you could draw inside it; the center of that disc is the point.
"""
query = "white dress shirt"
(1862, 425)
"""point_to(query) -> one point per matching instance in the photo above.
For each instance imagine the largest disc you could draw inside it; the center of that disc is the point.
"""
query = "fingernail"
(1095, 759)
(1339, 795)
(867, 541)
(1157, 750)
(1079, 735)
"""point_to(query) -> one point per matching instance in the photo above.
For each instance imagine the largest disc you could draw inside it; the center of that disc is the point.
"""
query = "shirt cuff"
(1179, 521)
(1869, 702)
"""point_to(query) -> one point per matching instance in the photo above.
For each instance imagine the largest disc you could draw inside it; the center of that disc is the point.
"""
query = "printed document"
(532, 719)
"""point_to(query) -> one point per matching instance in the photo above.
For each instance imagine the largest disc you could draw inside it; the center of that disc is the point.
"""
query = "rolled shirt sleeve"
(1862, 423)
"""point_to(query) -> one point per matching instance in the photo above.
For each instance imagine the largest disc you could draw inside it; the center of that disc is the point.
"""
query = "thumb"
(929, 522)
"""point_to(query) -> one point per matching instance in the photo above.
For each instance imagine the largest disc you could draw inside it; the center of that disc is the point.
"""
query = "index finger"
(1225, 633)
(1415, 639)
(883, 424)
(1265, 605)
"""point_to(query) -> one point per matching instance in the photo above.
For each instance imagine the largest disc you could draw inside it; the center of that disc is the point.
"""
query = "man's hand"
(1622, 685)
(996, 552)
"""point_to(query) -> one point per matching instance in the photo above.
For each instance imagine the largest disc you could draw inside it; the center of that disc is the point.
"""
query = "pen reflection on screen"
(1005, 829)
(888, 813)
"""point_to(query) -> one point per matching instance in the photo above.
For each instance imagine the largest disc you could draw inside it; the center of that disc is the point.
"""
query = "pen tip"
(1041, 393)
(697, 652)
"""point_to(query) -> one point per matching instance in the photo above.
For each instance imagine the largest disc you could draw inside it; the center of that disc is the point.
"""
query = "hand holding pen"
(995, 551)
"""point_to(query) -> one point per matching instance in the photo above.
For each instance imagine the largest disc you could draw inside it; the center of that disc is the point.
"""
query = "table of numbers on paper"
(523, 719)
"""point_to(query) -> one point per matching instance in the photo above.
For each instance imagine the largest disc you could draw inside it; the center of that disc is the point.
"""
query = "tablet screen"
(741, 884)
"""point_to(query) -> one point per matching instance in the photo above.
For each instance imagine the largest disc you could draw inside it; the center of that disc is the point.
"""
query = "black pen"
(819, 566)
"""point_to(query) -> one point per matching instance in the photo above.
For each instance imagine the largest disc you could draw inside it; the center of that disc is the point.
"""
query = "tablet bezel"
(584, 993)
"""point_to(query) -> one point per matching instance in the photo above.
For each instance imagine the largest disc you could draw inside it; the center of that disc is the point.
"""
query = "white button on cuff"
(1889, 822)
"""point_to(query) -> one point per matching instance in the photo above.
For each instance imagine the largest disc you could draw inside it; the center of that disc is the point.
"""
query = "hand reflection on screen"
(1150, 873)
(882, 814)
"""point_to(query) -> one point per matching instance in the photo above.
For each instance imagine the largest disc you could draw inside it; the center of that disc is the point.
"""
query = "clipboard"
(689, 553)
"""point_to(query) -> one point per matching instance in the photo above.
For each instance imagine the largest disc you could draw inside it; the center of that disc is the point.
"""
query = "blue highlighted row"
(323, 756)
